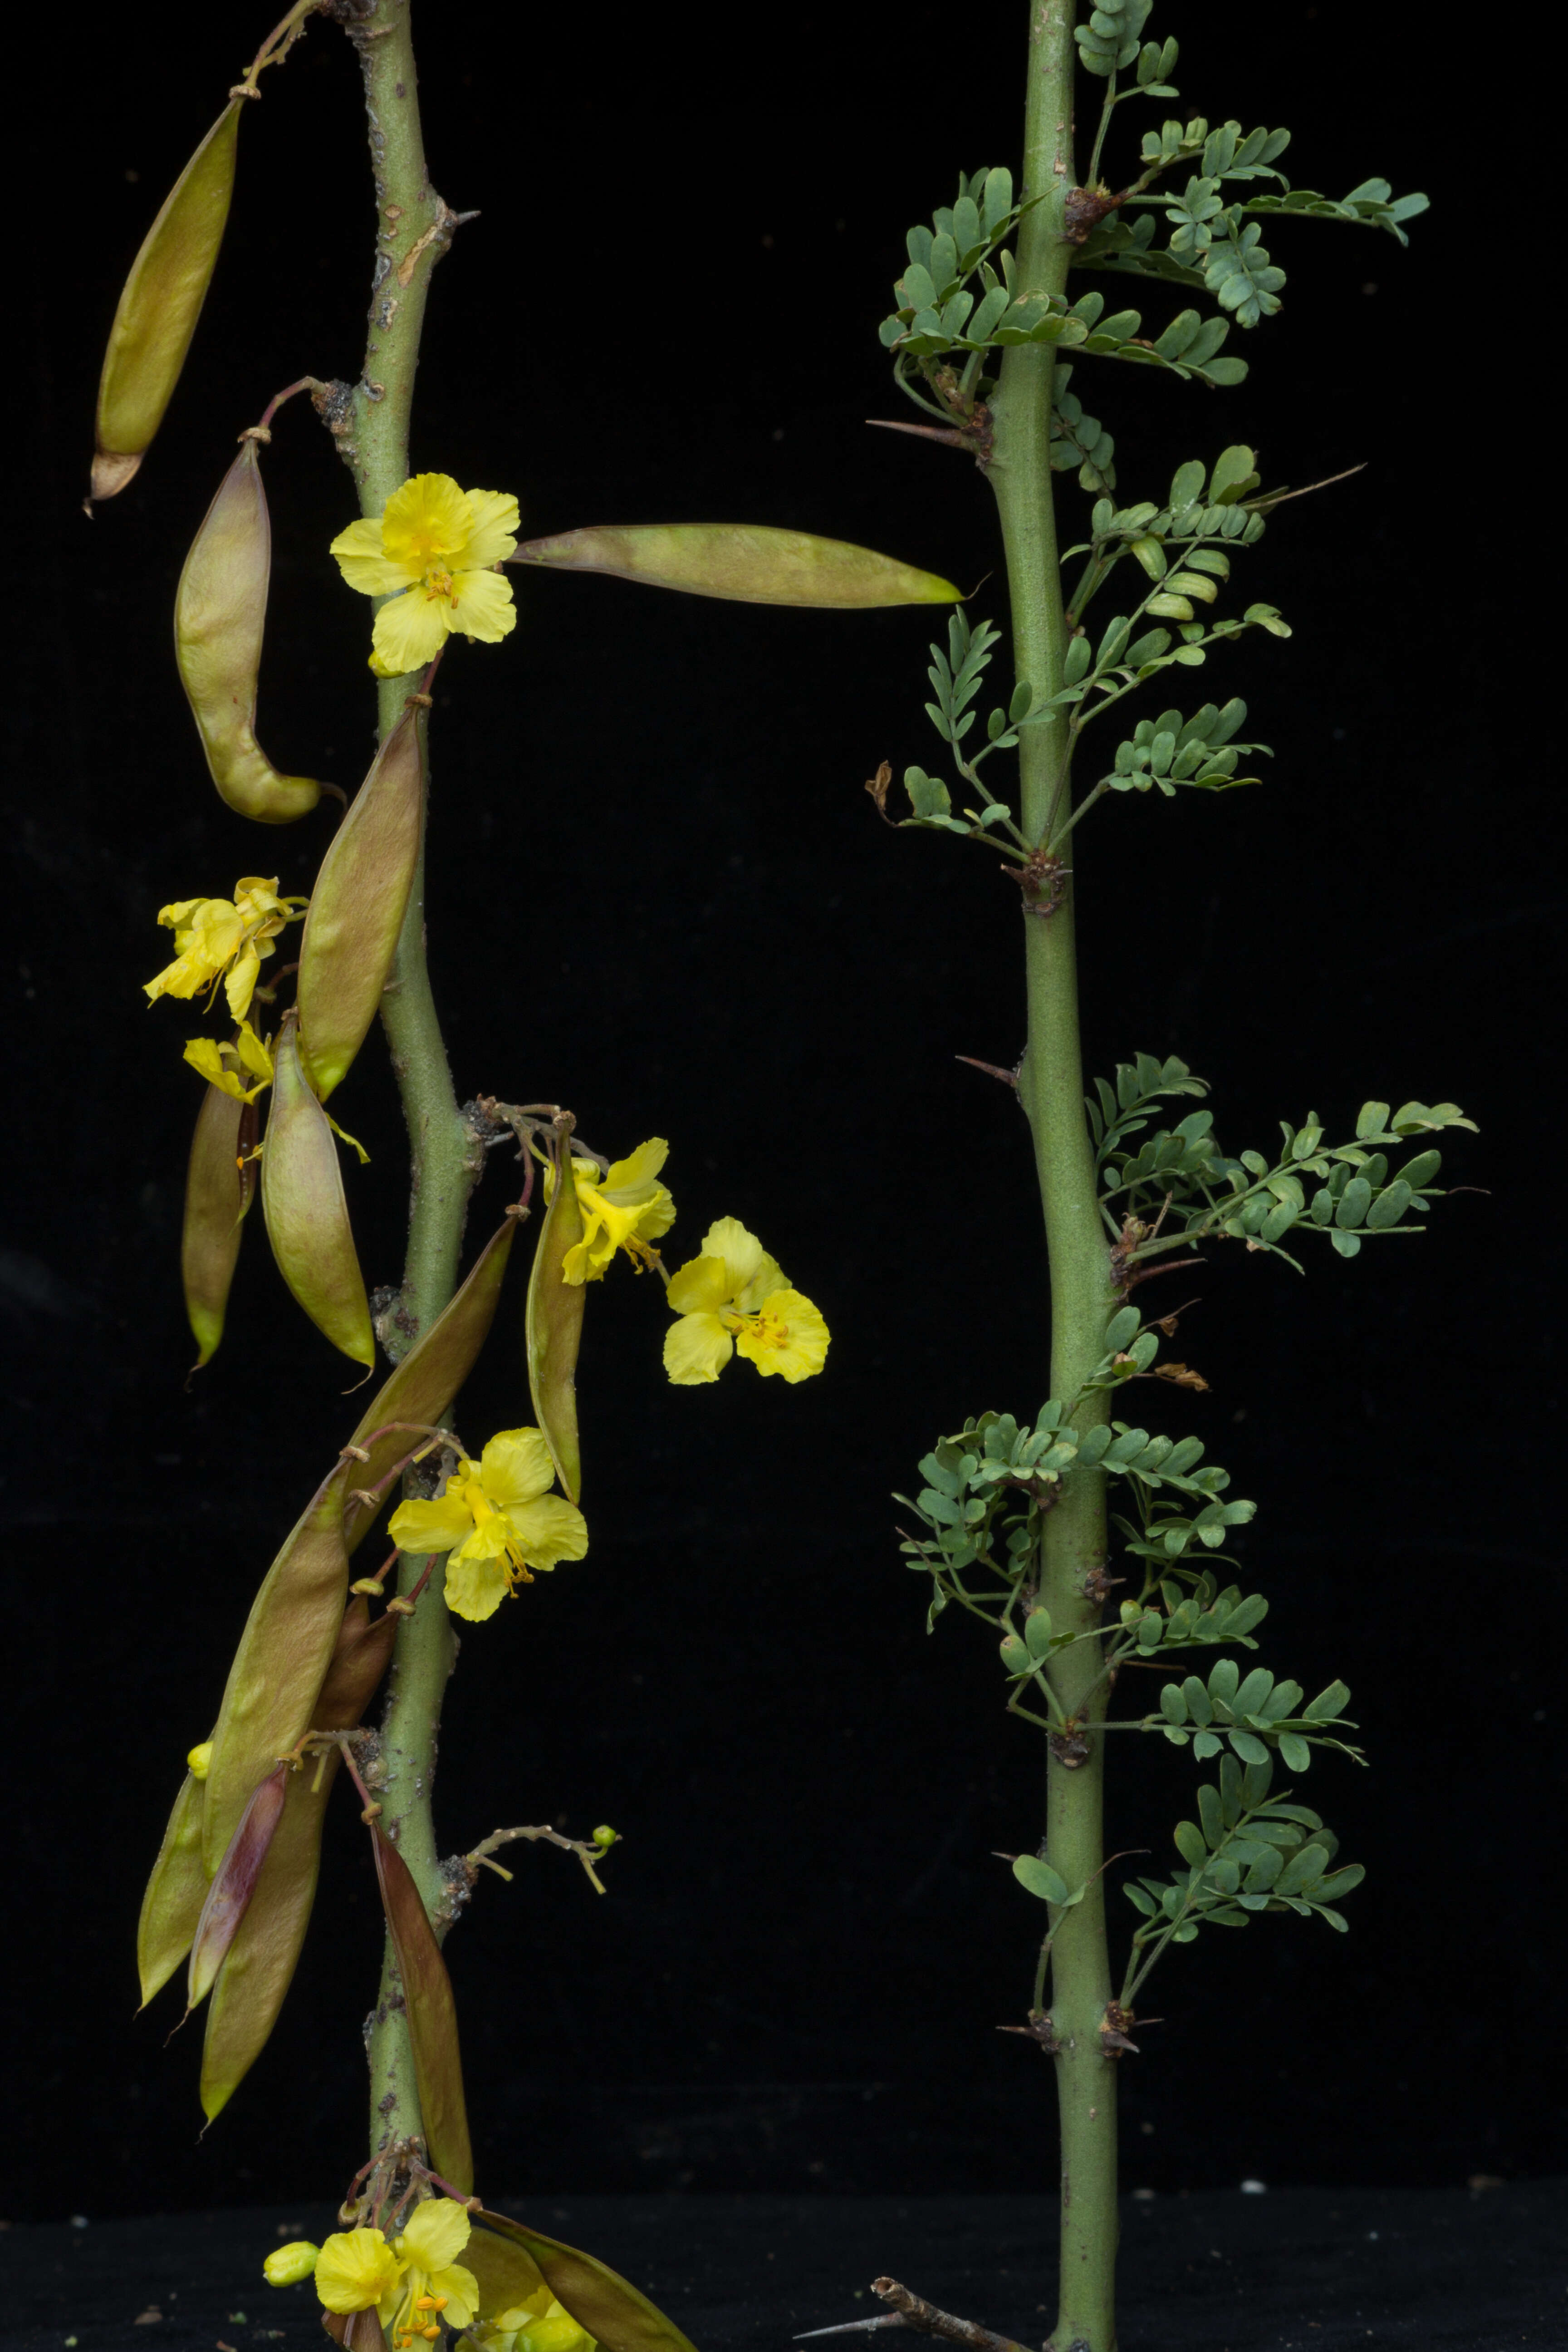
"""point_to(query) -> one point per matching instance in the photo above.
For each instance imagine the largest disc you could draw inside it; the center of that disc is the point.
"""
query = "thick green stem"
(413, 229)
(1050, 1086)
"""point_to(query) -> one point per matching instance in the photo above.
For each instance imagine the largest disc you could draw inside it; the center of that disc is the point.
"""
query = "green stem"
(413, 229)
(1050, 1088)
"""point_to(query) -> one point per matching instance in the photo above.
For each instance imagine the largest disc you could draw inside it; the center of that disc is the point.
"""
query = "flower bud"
(160, 305)
(749, 564)
(605, 1837)
(219, 1192)
(357, 906)
(286, 2266)
(552, 1322)
(200, 1756)
(307, 1216)
(220, 613)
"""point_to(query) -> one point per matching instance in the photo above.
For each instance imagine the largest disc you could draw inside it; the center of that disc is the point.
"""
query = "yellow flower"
(538, 2323)
(433, 552)
(216, 1064)
(415, 2283)
(734, 1295)
(498, 1520)
(215, 936)
(286, 2266)
(623, 1209)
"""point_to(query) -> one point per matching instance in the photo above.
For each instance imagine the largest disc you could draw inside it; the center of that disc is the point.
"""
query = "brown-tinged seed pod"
(175, 1893)
(357, 906)
(219, 1192)
(602, 2303)
(259, 1967)
(553, 1322)
(220, 614)
(432, 2018)
(273, 1684)
(229, 1894)
(159, 306)
(306, 1212)
(749, 564)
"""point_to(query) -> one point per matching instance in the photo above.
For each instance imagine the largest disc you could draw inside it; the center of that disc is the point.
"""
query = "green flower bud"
(286, 2266)
(605, 1836)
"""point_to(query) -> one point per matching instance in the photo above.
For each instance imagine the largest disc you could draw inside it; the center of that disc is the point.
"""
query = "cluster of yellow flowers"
(417, 2286)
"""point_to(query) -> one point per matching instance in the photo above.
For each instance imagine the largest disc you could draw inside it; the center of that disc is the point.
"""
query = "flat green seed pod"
(159, 306)
(269, 1699)
(553, 1325)
(306, 1212)
(220, 617)
(175, 1893)
(255, 1975)
(357, 906)
(748, 563)
(219, 1192)
(432, 2017)
(611, 2309)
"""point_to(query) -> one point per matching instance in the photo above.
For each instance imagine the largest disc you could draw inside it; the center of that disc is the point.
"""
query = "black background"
(660, 894)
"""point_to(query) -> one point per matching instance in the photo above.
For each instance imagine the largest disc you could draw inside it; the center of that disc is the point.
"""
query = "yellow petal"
(787, 1335)
(475, 1588)
(205, 1056)
(700, 1286)
(183, 909)
(638, 1169)
(435, 2234)
(408, 633)
(461, 2289)
(515, 1466)
(243, 976)
(742, 1251)
(548, 1531)
(354, 2269)
(697, 1347)
(493, 531)
(482, 607)
(422, 1526)
(364, 564)
(427, 518)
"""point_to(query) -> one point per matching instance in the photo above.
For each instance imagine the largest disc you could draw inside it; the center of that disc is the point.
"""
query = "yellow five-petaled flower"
(433, 553)
(735, 1297)
(415, 2284)
(215, 936)
(498, 1521)
(623, 1209)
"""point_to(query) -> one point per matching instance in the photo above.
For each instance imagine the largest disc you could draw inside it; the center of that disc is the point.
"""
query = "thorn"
(1008, 1077)
(946, 435)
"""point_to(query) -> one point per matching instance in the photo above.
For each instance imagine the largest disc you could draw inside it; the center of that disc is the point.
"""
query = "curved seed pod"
(750, 563)
(428, 1378)
(255, 1976)
(219, 1192)
(229, 1894)
(597, 2297)
(357, 906)
(159, 306)
(175, 1893)
(307, 1216)
(553, 1323)
(432, 2018)
(269, 1698)
(220, 613)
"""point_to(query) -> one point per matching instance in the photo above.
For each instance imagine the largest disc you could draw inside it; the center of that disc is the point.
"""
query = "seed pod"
(307, 1216)
(430, 1375)
(603, 2302)
(220, 614)
(219, 1192)
(175, 1893)
(357, 908)
(553, 1322)
(432, 2018)
(159, 307)
(255, 1976)
(750, 563)
(229, 1894)
(280, 1665)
